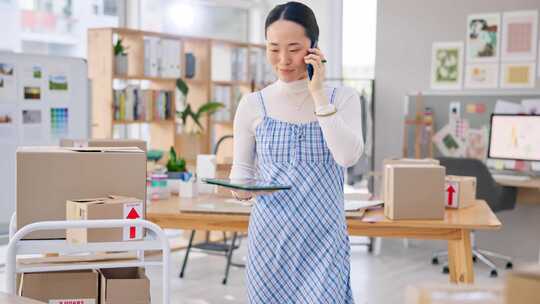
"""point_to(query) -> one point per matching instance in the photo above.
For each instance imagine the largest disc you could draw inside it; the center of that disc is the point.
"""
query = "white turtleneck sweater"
(292, 102)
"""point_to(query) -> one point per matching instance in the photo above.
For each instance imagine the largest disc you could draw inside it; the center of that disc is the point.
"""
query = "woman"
(297, 132)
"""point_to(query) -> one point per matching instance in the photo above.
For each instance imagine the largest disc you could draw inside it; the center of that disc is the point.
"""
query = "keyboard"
(521, 178)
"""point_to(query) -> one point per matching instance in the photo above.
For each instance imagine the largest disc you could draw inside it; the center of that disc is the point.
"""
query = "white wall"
(405, 33)
(9, 31)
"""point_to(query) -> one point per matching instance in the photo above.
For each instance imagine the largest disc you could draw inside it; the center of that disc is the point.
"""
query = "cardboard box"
(414, 192)
(49, 176)
(101, 209)
(124, 285)
(460, 191)
(404, 161)
(80, 286)
(85, 143)
(12, 299)
(453, 294)
(523, 285)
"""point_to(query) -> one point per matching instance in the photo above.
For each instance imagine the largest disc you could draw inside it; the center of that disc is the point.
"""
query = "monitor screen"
(515, 137)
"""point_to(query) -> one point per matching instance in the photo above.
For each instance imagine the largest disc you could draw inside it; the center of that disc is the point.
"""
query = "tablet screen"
(246, 184)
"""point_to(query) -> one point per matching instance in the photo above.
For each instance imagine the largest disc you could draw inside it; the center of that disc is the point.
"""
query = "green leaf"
(209, 108)
(119, 48)
(182, 86)
(172, 154)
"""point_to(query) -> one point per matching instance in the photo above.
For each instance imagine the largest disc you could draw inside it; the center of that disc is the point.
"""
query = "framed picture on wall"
(481, 75)
(519, 36)
(447, 65)
(483, 37)
(518, 75)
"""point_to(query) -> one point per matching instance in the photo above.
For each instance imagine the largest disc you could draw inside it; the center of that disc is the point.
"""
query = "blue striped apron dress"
(298, 246)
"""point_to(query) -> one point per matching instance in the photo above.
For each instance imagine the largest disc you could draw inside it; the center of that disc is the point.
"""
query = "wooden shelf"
(131, 77)
(231, 83)
(163, 133)
(126, 122)
(190, 81)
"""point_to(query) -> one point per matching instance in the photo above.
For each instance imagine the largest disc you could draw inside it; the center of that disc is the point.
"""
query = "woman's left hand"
(316, 85)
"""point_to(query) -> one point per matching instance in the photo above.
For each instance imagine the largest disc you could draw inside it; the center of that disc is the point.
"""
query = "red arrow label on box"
(451, 192)
(132, 215)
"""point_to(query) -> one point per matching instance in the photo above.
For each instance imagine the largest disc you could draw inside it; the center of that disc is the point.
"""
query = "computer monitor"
(514, 136)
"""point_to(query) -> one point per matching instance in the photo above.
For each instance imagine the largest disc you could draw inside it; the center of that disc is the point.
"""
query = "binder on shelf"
(170, 58)
(151, 56)
(222, 94)
(190, 65)
(239, 64)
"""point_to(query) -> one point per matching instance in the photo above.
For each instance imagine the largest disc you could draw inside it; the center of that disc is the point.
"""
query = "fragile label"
(132, 211)
(73, 301)
(451, 192)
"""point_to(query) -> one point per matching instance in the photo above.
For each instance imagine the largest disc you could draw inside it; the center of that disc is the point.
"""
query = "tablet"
(247, 184)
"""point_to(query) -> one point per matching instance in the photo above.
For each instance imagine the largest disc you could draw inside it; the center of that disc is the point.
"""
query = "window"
(195, 18)
(359, 30)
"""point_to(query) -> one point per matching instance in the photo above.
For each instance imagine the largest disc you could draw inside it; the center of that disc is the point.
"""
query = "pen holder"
(188, 189)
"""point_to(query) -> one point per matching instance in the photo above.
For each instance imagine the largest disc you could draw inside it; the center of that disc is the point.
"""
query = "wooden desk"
(528, 190)
(454, 228)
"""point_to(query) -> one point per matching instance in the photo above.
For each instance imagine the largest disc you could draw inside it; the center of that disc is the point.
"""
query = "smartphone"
(310, 66)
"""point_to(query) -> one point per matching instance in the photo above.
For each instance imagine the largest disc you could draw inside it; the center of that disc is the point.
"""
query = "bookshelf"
(146, 92)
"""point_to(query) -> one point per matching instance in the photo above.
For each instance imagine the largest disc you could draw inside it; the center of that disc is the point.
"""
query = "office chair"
(221, 248)
(498, 198)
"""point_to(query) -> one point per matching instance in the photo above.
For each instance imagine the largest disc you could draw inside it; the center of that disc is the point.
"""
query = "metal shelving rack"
(154, 240)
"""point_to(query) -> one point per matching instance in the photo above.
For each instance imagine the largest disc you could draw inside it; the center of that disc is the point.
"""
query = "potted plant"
(175, 166)
(176, 171)
(189, 126)
(120, 58)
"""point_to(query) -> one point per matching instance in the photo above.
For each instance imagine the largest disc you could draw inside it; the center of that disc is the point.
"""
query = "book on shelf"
(134, 104)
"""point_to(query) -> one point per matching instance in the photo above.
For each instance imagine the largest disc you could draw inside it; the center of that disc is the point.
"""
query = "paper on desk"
(351, 205)
(531, 106)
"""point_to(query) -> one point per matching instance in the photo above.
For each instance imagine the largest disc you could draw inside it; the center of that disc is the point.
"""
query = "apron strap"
(333, 95)
(262, 103)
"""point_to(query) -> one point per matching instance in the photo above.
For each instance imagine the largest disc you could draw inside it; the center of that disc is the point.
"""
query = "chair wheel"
(474, 259)
(509, 265)
(445, 270)
(224, 282)
(435, 261)
(493, 273)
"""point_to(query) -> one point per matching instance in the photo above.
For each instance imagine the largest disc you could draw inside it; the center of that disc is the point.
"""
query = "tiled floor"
(375, 279)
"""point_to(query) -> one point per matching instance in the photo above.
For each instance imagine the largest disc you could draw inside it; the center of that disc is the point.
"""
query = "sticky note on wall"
(476, 108)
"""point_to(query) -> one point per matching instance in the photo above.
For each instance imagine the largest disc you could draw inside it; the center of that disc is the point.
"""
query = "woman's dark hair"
(295, 12)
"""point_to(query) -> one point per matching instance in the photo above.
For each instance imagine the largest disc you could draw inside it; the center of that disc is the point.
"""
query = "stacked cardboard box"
(106, 286)
(460, 191)
(78, 286)
(413, 191)
(101, 209)
(523, 285)
(124, 285)
(49, 176)
(403, 161)
(453, 294)
(84, 143)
